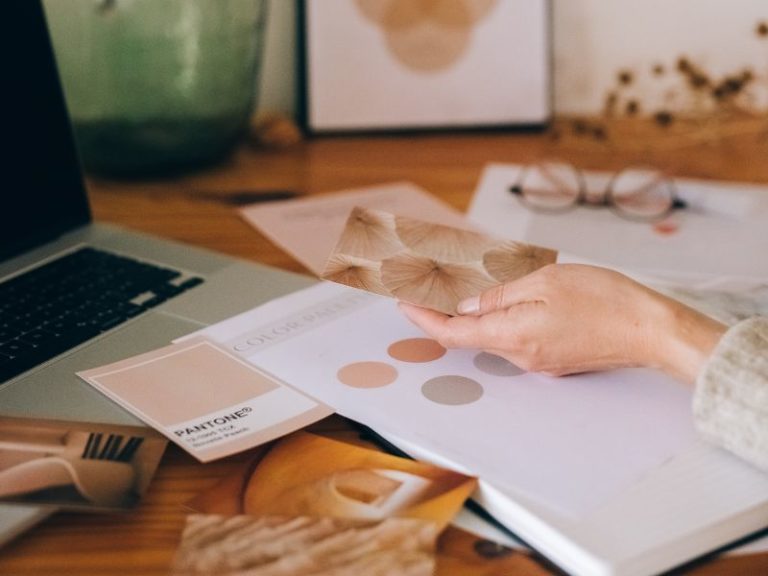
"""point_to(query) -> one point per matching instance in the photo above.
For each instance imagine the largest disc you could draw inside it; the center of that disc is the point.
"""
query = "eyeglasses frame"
(605, 200)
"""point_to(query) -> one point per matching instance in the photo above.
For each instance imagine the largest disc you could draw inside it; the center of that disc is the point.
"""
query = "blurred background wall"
(593, 41)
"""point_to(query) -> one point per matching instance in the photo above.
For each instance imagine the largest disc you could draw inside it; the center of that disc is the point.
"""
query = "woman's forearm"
(685, 340)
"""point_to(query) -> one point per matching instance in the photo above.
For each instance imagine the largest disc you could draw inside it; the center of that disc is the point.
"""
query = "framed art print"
(393, 65)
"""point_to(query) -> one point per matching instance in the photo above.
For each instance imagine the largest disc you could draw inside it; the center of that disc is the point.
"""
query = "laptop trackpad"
(55, 391)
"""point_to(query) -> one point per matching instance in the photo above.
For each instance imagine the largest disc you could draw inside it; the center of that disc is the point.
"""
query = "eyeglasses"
(636, 193)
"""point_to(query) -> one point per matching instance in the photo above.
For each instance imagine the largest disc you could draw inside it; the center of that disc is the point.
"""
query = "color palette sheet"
(569, 444)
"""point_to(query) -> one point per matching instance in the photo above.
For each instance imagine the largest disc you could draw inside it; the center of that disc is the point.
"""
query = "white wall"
(593, 39)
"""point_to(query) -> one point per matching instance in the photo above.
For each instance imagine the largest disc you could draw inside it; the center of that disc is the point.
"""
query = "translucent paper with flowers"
(426, 264)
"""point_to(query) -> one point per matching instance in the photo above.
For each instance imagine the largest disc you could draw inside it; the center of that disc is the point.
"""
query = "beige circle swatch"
(417, 350)
(452, 390)
(367, 374)
(496, 365)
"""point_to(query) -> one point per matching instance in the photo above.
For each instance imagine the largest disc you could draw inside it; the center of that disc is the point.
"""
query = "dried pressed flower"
(730, 86)
(611, 101)
(698, 80)
(734, 84)
(369, 234)
(432, 284)
(440, 242)
(625, 77)
(632, 108)
(762, 29)
(354, 272)
(695, 76)
(511, 260)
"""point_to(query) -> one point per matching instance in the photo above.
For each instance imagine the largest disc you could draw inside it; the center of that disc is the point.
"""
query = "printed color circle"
(367, 374)
(416, 350)
(452, 390)
(496, 365)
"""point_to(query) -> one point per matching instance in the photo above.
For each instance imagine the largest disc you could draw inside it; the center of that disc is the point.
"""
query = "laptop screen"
(41, 189)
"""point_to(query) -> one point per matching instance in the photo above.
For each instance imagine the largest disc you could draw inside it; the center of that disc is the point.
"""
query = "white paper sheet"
(569, 443)
(722, 232)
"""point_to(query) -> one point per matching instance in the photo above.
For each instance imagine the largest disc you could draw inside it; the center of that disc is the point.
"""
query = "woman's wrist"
(686, 340)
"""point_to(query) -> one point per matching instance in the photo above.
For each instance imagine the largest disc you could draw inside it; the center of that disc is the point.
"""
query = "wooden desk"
(199, 209)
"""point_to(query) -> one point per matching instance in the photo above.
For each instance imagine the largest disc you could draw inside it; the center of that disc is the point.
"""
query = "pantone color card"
(205, 399)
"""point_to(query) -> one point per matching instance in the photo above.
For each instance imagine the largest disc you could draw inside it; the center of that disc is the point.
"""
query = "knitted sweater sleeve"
(730, 403)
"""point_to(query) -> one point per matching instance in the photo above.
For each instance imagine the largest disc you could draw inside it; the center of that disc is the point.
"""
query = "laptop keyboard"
(68, 301)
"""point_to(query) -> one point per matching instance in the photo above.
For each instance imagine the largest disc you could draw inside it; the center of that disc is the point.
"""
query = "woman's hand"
(569, 318)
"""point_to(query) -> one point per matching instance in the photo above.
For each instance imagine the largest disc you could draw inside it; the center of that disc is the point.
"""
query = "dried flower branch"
(688, 91)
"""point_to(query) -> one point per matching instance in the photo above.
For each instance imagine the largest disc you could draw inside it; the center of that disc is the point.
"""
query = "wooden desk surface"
(199, 209)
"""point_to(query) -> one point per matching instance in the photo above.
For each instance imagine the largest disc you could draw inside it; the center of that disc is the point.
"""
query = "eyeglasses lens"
(642, 193)
(550, 185)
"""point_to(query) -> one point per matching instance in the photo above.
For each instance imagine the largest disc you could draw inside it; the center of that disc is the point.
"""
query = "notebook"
(602, 473)
(76, 294)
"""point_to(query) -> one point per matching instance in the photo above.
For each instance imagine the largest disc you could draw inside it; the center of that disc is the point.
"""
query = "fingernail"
(469, 305)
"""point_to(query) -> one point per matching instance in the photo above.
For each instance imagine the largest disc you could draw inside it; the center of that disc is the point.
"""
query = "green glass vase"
(157, 87)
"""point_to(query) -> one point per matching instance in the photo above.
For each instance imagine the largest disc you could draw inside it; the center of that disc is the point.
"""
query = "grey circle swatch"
(496, 365)
(452, 390)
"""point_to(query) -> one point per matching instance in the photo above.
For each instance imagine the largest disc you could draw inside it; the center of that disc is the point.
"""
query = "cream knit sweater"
(730, 404)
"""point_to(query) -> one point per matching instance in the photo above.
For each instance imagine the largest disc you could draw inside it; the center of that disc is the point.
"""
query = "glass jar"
(157, 86)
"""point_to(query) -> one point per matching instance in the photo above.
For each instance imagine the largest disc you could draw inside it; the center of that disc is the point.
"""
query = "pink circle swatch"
(417, 350)
(367, 374)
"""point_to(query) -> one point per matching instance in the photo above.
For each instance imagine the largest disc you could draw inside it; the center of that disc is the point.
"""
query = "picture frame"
(416, 65)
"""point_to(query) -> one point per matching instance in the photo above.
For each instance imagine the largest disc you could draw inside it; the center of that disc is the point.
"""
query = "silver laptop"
(56, 265)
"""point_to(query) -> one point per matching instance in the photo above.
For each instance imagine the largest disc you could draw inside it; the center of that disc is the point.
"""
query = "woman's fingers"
(503, 296)
(450, 331)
